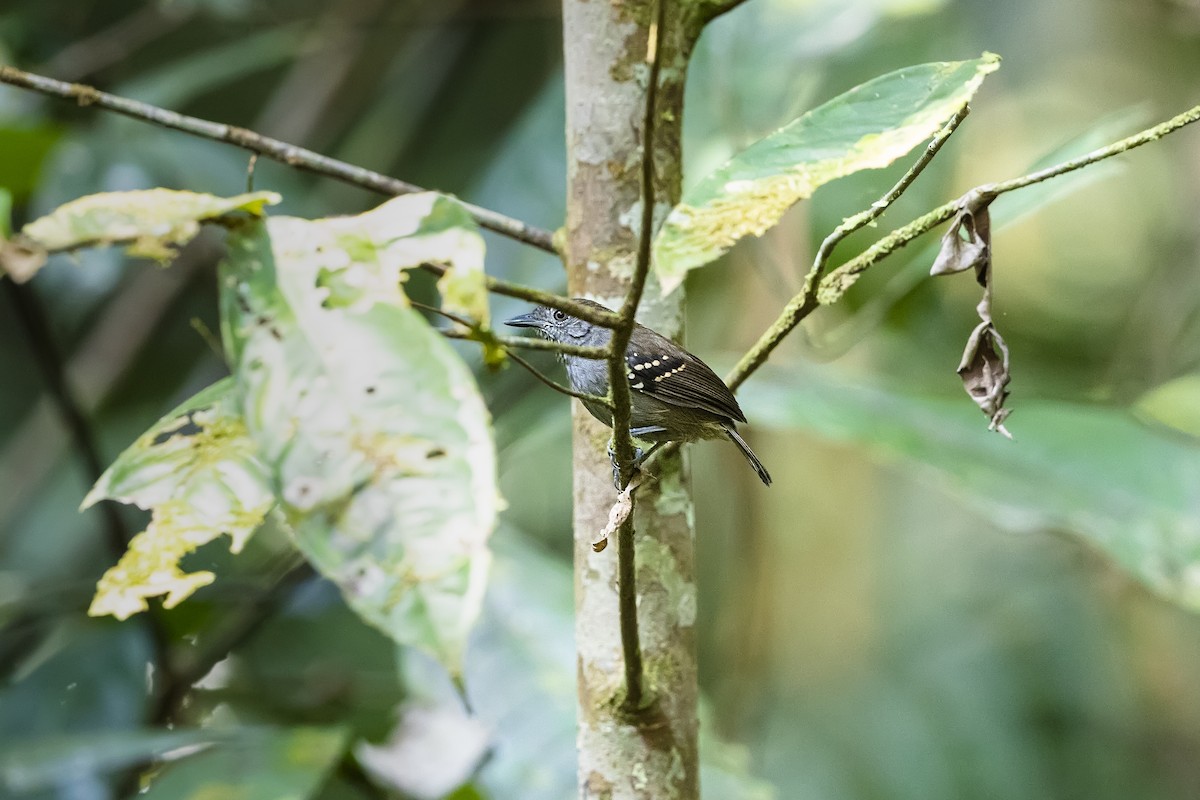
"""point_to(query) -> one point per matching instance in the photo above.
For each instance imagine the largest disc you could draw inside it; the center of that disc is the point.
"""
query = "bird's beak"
(524, 321)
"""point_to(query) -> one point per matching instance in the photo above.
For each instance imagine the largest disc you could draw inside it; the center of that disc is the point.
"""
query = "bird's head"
(560, 326)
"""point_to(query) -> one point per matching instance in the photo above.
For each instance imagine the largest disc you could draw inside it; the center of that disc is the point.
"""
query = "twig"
(864, 218)
(805, 301)
(619, 390)
(596, 316)
(529, 343)
(233, 633)
(476, 334)
(289, 154)
(558, 387)
(844, 276)
(32, 318)
(837, 282)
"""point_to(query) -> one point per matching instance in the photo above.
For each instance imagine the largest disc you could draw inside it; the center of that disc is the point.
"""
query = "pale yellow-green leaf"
(197, 472)
(153, 223)
(868, 127)
(372, 427)
(404, 233)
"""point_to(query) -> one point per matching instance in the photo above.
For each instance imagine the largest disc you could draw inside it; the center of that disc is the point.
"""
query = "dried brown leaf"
(985, 375)
(968, 243)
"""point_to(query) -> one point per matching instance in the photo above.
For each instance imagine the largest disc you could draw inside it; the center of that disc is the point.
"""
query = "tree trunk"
(652, 753)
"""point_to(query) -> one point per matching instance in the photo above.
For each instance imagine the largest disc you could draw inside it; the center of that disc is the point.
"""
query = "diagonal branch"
(805, 302)
(476, 333)
(596, 316)
(283, 152)
(844, 276)
(31, 317)
(819, 292)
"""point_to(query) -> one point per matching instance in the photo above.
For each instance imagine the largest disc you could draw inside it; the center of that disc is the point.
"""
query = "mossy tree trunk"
(651, 753)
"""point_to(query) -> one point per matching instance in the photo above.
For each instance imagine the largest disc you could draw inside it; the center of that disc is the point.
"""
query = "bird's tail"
(736, 438)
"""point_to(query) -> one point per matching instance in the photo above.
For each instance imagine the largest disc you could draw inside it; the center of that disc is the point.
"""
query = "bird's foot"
(616, 468)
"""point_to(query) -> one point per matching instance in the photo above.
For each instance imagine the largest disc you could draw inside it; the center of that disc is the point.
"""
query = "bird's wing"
(681, 380)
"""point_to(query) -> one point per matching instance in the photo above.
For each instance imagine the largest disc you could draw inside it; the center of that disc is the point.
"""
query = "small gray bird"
(675, 396)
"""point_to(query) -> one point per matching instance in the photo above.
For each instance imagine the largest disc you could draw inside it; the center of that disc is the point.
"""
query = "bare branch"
(596, 316)
(476, 333)
(556, 386)
(289, 154)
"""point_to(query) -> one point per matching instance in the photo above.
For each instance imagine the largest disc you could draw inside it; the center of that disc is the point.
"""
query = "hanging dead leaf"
(968, 243)
(985, 375)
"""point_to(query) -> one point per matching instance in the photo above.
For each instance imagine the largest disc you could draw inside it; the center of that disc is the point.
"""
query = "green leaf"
(25, 149)
(1006, 211)
(372, 427)
(197, 472)
(280, 764)
(448, 234)
(868, 127)
(1175, 404)
(1090, 470)
(6, 204)
(55, 762)
(152, 222)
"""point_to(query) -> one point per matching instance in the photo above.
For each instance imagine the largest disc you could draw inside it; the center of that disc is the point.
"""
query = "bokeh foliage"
(911, 611)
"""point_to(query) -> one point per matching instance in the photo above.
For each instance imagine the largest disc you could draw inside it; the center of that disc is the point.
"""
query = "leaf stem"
(289, 154)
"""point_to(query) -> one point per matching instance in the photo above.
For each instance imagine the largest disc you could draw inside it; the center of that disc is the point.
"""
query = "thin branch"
(805, 301)
(835, 285)
(558, 387)
(619, 390)
(529, 343)
(844, 276)
(235, 631)
(476, 333)
(289, 154)
(864, 218)
(562, 348)
(596, 316)
(32, 319)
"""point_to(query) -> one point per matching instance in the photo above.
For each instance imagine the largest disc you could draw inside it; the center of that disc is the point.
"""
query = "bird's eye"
(559, 315)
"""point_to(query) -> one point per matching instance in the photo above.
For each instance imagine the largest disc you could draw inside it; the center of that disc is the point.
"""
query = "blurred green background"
(916, 609)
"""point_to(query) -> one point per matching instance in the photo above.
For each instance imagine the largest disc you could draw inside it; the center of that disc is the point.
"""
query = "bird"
(675, 397)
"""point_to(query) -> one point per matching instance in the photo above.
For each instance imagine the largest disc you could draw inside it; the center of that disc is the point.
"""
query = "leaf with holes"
(153, 223)
(868, 127)
(197, 472)
(372, 427)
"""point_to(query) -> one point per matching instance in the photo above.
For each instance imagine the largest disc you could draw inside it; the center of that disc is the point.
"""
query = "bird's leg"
(612, 457)
(643, 458)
